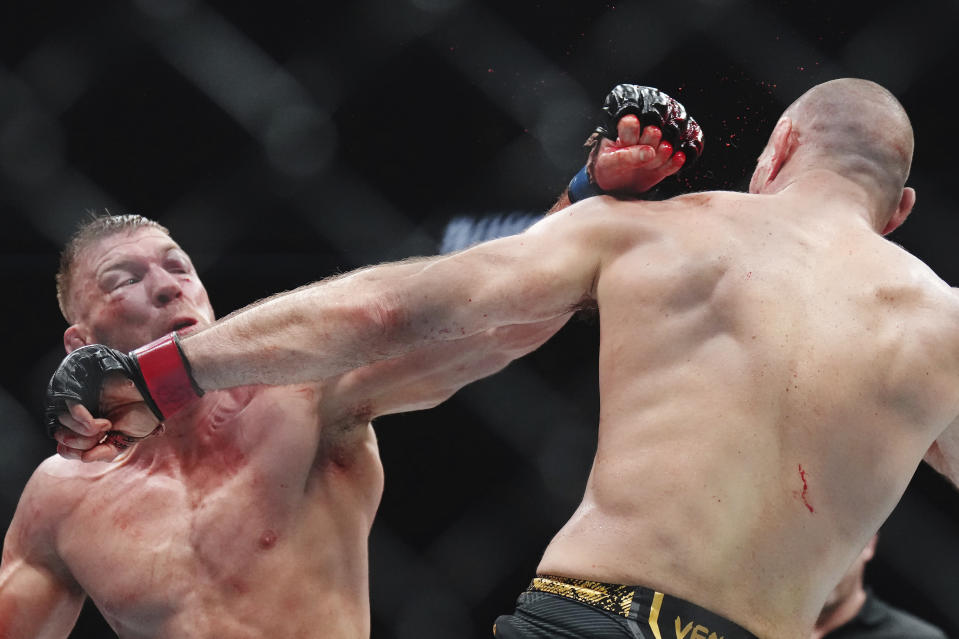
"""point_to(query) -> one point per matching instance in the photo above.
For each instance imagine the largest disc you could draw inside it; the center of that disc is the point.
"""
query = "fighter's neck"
(192, 432)
(827, 192)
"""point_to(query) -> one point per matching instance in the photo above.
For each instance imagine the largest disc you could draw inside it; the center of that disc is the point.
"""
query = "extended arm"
(645, 137)
(428, 376)
(387, 311)
(441, 322)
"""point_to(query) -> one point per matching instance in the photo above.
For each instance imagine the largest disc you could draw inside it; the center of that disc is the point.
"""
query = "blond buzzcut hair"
(96, 227)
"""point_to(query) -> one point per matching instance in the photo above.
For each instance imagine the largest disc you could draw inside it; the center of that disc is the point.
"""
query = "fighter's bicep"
(380, 388)
(429, 375)
(38, 597)
(35, 601)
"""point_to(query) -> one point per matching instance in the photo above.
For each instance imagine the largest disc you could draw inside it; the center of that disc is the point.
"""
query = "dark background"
(282, 142)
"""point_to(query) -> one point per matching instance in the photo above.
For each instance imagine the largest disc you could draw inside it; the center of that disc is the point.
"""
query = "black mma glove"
(652, 107)
(159, 370)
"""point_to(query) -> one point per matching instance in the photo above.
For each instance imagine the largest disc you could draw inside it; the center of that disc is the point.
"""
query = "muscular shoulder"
(932, 304)
(608, 223)
(689, 211)
(55, 486)
(695, 218)
(50, 493)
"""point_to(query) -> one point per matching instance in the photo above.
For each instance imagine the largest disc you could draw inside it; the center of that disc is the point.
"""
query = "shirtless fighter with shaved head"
(246, 515)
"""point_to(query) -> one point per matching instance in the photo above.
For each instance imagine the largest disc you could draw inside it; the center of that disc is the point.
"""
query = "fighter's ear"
(74, 338)
(906, 202)
(782, 141)
(774, 156)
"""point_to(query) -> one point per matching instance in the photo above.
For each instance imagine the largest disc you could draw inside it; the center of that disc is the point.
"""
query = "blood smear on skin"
(805, 489)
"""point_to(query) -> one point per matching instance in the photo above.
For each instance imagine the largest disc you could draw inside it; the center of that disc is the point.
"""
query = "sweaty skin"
(772, 371)
(763, 409)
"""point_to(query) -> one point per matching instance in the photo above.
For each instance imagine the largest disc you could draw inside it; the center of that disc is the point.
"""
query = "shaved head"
(857, 129)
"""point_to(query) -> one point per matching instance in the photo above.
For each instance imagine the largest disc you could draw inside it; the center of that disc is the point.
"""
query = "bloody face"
(135, 286)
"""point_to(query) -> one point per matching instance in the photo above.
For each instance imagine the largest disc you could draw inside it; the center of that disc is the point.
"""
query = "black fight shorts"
(563, 608)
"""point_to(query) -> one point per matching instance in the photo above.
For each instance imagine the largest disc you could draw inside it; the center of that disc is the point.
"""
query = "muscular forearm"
(328, 329)
(374, 314)
(312, 333)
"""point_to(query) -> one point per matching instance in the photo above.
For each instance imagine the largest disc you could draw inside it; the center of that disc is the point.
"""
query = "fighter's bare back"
(759, 354)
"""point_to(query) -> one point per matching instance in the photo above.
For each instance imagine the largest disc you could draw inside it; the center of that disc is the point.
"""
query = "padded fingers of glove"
(79, 378)
(653, 108)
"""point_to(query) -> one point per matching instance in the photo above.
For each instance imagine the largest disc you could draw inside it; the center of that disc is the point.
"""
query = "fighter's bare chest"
(144, 545)
(145, 538)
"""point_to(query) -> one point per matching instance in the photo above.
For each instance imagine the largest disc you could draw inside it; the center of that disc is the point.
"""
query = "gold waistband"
(612, 598)
(645, 604)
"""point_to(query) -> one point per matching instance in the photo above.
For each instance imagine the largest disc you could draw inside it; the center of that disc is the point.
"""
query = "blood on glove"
(654, 108)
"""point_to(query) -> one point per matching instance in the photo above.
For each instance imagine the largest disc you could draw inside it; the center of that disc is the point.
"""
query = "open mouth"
(183, 326)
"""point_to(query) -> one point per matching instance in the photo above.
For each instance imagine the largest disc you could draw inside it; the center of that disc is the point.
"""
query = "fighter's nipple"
(268, 539)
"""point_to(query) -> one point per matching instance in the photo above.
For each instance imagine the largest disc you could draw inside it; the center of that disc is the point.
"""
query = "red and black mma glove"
(159, 370)
(652, 107)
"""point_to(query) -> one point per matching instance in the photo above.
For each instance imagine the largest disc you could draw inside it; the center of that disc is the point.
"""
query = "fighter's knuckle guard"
(654, 108)
(78, 379)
